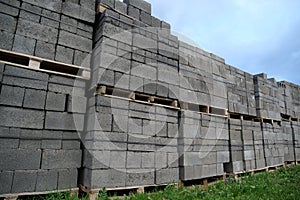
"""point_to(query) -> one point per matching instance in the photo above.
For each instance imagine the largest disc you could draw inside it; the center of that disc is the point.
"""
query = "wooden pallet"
(43, 65)
(136, 97)
(203, 183)
(198, 108)
(94, 193)
(73, 192)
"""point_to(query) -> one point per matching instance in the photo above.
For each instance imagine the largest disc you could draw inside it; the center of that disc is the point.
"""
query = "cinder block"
(74, 41)
(9, 143)
(135, 126)
(34, 99)
(55, 102)
(146, 18)
(134, 160)
(31, 14)
(45, 50)
(133, 12)
(12, 96)
(67, 179)
(15, 117)
(149, 127)
(136, 177)
(51, 144)
(161, 160)
(96, 159)
(7, 40)
(110, 3)
(173, 160)
(24, 45)
(10, 7)
(136, 83)
(186, 173)
(120, 6)
(223, 157)
(148, 160)
(82, 59)
(24, 181)
(36, 31)
(61, 159)
(144, 42)
(118, 160)
(69, 144)
(26, 73)
(8, 23)
(141, 144)
(76, 104)
(6, 179)
(167, 176)
(140, 4)
(64, 54)
(30, 144)
(46, 180)
(48, 20)
(64, 121)
(55, 5)
(144, 71)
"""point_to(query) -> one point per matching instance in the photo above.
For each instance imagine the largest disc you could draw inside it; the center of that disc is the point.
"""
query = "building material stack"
(42, 104)
(258, 145)
(248, 143)
(296, 134)
(289, 149)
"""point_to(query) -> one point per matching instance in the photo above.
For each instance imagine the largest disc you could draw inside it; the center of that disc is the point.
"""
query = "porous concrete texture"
(155, 111)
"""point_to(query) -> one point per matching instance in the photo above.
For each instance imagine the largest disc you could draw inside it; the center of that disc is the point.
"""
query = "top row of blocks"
(139, 4)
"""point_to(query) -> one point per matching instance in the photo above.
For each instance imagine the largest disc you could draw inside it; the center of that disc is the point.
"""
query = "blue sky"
(253, 35)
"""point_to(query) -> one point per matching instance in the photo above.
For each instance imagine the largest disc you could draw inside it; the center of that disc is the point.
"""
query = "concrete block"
(45, 50)
(146, 18)
(161, 129)
(118, 160)
(24, 45)
(148, 160)
(186, 173)
(141, 144)
(136, 83)
(140, 4)
(24, 181)
(162, 89)
(161, 160)
(26, 73)
(30, 144)
(144, 42)
(167, 176)
(144, 71)
(70, 145)
(55, 102)
(149, 127)
(8, 23)
(36, 31)
(135, 126)
(9, 143)
(67, 179)
(68, 24)
(24, 82)
(74, 41)
(12, 96)
(60, 159)
(76, 104)
(10, 7)
(46, 180)
(136, 177)
(64, 54)
(134, 160)
(30, 12)
(7, 40)
(6, 179)
(82, 59)
(15, 117)
(223, 156)
(64, 121)
(168, 75)
(121, 7)
(54, 5)
(51, 144)
(48, 20)
(133, 12)
(96, 159)
(34, 99)
(173, 160)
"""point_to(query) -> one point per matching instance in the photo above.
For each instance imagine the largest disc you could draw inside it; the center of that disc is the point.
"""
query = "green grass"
(281, 184)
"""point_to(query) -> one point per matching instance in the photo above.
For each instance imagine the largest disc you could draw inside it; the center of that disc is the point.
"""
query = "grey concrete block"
(162, 89)
(26, 73)
(13, 159)
(144, 71)
(82, 59)
(223, 156)
(34, 99)
(148, 160)
(161, 129)
(46, 180)
(30, 12)
(6, 179)
(139, 177)
(146, 18)
(51, 144)
(144, 42)
(76, 104)
(70, 144)
(74, 41)
(30, 144)
(141, 144)
(134, 160)
(64, 121)
(24, 45)
(24, 181)
(67, 179)
(7, 40)
(133, 12)
(167, 176)
(140, 4)
(37, 31)
(55, 5)
(135, 126)
(64, 54)
(168, 74)
(149, 127)
(117, 159)
(120, 6)
(8, 23)
(136, 83)
(186, 173)
(9, 143)
(105, 122)
(24, 82)
(60, 159)
(15, 117)
(12, 96)
(10, 7)
(173, 160)
(90, 4)
(55, 102)
(45, 50)
(96, 159)
(161, 160)
(68, 24)
(71, 9)
(48, 20)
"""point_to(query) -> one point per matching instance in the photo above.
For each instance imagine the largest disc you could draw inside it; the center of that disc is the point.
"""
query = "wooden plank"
(37, 193)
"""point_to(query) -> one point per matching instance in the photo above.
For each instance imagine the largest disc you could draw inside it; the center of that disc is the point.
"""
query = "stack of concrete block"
(236, 163)
(292, 100)
(258, 145)
(203, 146)
(289, 149)
(241, 97)
(196, 80)
(273, 144)
(296, 134)
(129, 144)
(40, 147)
(266, 96)
(283, 98)
(248, 143)
(60, 30)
